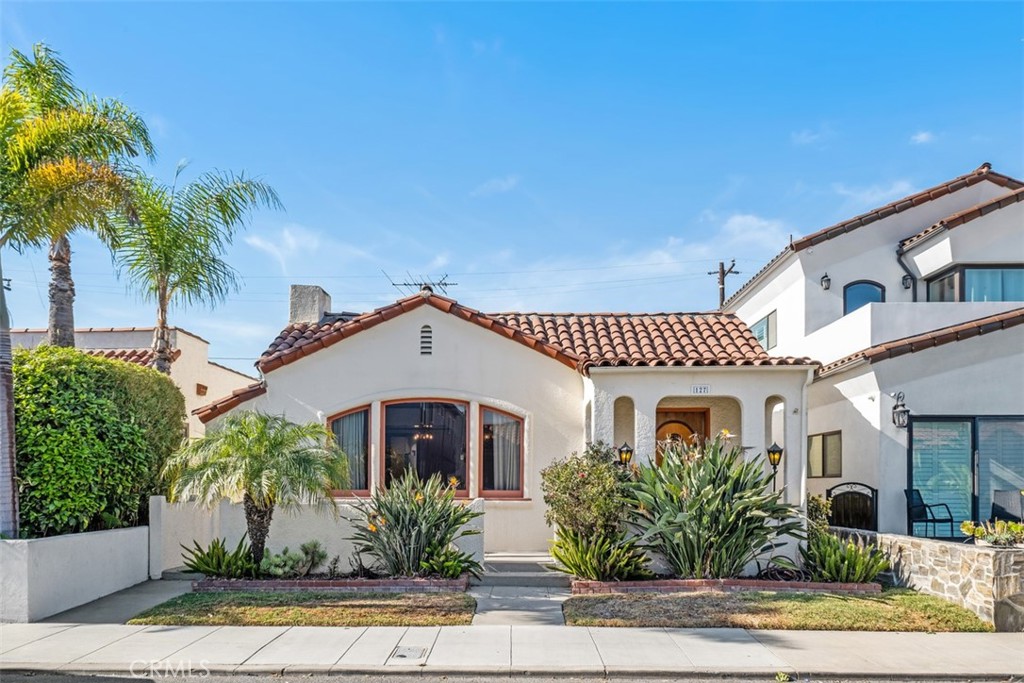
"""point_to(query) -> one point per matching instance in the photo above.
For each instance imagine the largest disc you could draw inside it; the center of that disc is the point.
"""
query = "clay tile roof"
(137, 356)
(966, 216)
(235, 399)
(980, 174)
(928, 340)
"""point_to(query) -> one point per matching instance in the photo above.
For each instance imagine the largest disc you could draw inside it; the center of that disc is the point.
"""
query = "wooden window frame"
(824, 458)
(847, 286)
(459, 493)
(504, 495)
(355, 493)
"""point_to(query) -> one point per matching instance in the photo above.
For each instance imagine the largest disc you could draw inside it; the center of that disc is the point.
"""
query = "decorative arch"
(861, 293)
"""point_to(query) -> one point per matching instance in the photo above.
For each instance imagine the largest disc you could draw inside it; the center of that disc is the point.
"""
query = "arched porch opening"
(687, 418)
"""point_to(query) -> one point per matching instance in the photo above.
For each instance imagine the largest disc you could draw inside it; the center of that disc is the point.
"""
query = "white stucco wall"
(468, 363)
(783, 290)
(40, 577)
(997, 237)
(978, 376)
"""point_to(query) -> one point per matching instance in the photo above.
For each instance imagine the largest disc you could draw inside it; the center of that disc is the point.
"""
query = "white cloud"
(811, 136)
(874, 195)
(440, 261)
(158, 124)
(922, 137)
(296, 242)
(496, 186)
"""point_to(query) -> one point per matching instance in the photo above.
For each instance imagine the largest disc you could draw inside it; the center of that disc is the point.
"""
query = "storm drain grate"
(409, 652)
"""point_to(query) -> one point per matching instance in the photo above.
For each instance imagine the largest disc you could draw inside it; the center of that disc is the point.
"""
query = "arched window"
(862, 293)
(426, 341)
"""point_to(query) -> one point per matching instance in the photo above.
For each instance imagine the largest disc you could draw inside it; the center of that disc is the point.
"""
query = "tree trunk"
(61, 330)
(161, 339)
(257, 520)
(8, 472)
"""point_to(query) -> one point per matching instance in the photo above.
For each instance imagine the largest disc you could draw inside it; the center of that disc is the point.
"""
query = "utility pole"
(722, 273)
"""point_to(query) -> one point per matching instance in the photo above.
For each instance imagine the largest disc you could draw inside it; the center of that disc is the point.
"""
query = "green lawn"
(312, 609)
(896, 609)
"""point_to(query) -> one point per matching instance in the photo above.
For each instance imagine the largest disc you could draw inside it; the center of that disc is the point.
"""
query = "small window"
(501, 453)
(352, 433)
(765, 331)
(862, 293)
(825, 455)
(426, 341)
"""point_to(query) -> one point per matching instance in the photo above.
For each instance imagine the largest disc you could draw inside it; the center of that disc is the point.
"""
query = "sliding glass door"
(961, 462)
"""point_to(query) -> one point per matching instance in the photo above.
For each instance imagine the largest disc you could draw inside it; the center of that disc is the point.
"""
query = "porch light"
(900, 412)
(774, 458)
(907, 281)
(826, 281)
(625, 454)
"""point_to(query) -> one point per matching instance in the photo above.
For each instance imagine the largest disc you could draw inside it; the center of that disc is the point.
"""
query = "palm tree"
(44, 81)
(51, 181)
(264, 460)
(172, 250)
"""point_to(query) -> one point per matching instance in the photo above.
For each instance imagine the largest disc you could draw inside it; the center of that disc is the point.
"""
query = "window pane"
(352, 433)
(1013, 284)
(1000, 460)
(760, 330)
(772, 330)
(833, 455)
(941, 471)
(428, 438)
(502, 450)
(814, 460)
(943, 289)
(983, 284)
(861, 294)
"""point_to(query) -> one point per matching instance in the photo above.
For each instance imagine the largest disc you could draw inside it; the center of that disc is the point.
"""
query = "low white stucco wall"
(44, 576)
(181, 523)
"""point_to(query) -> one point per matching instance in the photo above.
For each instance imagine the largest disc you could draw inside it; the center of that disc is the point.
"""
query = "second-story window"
(978, 283)
(764, 329)
(862, 293)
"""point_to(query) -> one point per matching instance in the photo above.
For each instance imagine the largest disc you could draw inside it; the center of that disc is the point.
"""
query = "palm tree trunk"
(257, 520)
(162, 339)
(61, 330)
(8, 474)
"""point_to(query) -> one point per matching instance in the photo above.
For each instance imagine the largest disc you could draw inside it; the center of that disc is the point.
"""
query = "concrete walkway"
(508, 650)
(119, 607)
(518, 605)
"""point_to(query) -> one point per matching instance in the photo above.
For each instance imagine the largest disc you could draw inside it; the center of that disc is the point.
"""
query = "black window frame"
(846, 288)
(958, 271)
(824, 457)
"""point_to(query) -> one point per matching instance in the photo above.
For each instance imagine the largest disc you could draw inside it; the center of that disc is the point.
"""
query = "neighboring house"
(199, 378)
(489, 400)
(918, 303)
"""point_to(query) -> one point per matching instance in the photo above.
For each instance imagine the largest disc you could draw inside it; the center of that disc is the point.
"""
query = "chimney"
(307, 304)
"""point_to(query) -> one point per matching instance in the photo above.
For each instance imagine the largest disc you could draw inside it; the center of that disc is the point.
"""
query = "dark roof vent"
(343, 317)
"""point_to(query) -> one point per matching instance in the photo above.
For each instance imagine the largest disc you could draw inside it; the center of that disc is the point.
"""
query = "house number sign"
(700, 389)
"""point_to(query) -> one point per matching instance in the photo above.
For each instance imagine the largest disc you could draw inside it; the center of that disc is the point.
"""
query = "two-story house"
(914, 310)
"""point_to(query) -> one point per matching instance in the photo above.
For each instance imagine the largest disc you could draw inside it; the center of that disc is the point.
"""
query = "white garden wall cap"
(980, 174)
(87, 330)
(927, 340)
(233, 400)
(965, 216)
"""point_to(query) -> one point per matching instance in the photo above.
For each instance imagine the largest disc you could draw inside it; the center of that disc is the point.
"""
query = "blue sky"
(546, 156)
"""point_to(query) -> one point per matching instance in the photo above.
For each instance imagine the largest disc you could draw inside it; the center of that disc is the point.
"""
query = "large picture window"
(352, 433)
(501, 454)
(978, 283)
(825, 455)
(427, 437)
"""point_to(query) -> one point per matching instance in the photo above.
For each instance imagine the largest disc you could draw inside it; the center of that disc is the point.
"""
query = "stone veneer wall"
(976, 577)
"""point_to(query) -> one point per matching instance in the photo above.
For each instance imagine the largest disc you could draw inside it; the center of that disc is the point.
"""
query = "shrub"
(818, 512)
(92, 433)
(1000, 533)
(292, 565)
(708, 511)
(585, 493)
(217, 561)
(412, 525)
(449, 563)
(599, 558)
(828, 558)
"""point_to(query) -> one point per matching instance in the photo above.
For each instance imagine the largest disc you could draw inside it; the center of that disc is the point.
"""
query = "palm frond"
(43, 77)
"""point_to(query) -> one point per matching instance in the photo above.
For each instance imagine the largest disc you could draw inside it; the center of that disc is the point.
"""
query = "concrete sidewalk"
(508, 650)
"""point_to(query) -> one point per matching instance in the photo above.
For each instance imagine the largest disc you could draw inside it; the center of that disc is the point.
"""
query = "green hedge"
(92, 434)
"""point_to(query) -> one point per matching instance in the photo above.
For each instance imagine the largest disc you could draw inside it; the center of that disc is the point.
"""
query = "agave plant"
(708, 511)
(599, 557)
(828, 558)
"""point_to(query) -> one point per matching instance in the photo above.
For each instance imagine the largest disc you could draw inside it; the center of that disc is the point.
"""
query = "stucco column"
(604, 416)
(794, 466)
(752, 424)
(645, 426)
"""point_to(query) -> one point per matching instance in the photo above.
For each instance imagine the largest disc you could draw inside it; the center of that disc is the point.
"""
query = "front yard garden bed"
(894, 609)
(720, 585)
(312, 608)
(325, 585)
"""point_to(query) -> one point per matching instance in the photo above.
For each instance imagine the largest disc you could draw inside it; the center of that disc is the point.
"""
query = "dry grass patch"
(896, 609)
(312, 609)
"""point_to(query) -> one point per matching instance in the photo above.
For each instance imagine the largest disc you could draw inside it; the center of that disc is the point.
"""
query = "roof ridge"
(610, 314)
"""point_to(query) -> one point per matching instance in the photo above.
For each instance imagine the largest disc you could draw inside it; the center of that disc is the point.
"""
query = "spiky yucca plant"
(708, 511)
(264, 460)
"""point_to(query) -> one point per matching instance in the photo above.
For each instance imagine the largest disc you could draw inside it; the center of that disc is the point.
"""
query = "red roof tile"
(928, 340)
(966, 216)
(235, 399)
(137, 356)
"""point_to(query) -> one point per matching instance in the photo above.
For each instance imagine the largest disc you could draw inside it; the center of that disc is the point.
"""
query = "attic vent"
(426, 340)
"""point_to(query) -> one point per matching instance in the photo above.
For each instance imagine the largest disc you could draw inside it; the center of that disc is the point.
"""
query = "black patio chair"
(920, 512)
(1008, 506)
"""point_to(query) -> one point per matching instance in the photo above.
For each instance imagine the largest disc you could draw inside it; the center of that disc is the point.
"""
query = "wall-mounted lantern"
(900, 412)
(625, 454)
(774, 458)
(826, 281)
(908, 281)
